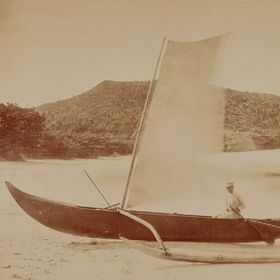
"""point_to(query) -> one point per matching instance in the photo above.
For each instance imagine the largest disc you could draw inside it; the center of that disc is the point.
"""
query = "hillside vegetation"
(102, 120)
(252, 121)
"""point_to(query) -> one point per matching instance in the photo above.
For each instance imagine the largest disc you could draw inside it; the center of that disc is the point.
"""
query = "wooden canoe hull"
(108, 223)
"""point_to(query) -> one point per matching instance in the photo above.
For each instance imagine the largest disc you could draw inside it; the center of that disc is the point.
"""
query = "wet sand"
(31, 251)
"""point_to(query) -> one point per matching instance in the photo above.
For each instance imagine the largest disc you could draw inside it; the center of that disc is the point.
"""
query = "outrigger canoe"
(182, 122)
(111, 224)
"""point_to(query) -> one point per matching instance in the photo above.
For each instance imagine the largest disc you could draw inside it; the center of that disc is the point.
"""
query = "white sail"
(183, 123)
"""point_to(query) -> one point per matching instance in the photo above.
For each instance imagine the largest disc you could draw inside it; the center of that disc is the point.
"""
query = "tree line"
(103, 122)
(23, 134)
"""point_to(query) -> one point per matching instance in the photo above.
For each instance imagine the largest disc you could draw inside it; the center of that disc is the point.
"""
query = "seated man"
(234, 204)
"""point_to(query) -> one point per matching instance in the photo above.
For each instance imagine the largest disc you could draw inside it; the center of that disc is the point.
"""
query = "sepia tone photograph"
(139, 139)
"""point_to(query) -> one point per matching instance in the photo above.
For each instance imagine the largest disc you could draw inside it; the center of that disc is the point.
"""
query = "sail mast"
(141, 125)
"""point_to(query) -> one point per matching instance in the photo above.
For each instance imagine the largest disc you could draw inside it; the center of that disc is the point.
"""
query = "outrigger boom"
(191, 255)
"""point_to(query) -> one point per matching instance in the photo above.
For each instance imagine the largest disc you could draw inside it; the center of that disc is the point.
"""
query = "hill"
(99, 121)
(102, 120)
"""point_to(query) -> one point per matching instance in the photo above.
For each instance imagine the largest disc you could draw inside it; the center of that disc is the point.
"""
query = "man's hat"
(229, 185)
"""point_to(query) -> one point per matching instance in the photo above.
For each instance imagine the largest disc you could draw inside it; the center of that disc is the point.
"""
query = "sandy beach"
(31, 251)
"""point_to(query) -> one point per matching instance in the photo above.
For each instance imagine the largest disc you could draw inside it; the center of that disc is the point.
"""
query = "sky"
(55, 49)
